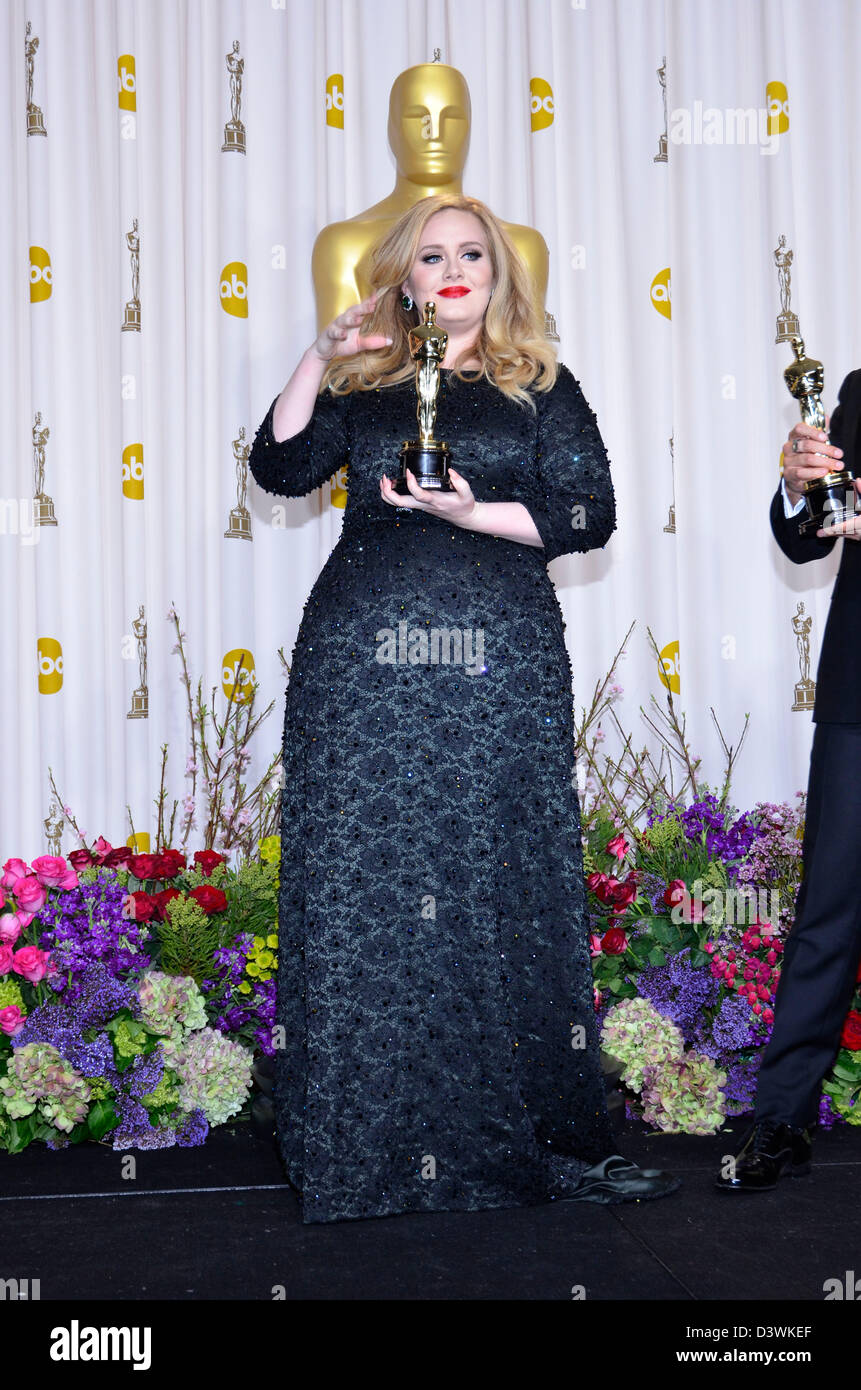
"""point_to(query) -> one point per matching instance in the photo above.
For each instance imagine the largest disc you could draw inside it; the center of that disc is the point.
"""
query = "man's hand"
(807, 455)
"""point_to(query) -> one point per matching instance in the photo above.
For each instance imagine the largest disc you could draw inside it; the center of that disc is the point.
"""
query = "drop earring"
(407, 302)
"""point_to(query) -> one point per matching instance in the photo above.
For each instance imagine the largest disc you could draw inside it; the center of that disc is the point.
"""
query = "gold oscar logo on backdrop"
(126, 85)
(238, 675)
(234, 289)
(140, 697)
(661, 156)
(335, 100)
(661, 292)
(668, 668)
(777, 102)
(139, 842)
(49, 654)
(41, 274)
(43, 505)
(787, 326)
(234, 131)
(53, 823)
(338, 488)
(541, 107)
(805, 688)
(133, 472)
(35, 120)
(671, 522)
(239, 523)
(132, 320)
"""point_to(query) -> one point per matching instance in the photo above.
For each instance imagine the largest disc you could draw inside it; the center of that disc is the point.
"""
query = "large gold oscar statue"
(429, 119)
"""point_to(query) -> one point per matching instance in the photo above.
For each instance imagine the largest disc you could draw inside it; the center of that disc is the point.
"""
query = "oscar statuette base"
(428, 463)
(829, 500)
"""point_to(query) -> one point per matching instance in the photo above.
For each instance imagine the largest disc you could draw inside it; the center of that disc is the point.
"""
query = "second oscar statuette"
(427, 458)
(830, 499)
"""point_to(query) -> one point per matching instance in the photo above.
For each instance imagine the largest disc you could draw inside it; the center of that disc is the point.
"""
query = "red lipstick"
(455, 292)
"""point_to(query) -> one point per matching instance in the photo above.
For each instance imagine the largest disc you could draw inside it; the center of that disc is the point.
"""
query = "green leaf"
(656, 956)
(20, 1133)
(102, 1118)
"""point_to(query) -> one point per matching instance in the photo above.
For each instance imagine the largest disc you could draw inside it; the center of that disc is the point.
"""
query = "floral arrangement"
(690, 903)
(135, 991)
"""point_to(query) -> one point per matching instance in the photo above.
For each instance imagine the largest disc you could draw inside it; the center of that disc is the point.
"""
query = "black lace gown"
(434, 980)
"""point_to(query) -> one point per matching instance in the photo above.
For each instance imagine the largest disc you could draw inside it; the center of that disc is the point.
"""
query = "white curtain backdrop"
(134, 98)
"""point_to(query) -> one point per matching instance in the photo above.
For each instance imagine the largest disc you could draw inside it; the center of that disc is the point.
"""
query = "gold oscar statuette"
(428, 458)
(830, 499)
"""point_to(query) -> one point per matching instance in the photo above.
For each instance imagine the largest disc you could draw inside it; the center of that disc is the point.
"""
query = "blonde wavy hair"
(511, 345)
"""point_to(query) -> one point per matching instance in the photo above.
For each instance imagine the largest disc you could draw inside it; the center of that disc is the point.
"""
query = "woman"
(434, 981)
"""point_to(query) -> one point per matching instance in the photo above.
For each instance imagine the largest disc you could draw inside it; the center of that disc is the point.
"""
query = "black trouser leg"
(820, 960)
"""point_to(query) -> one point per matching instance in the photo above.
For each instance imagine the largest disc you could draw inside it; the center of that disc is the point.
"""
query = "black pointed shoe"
(616, 1179)
(770, 1151)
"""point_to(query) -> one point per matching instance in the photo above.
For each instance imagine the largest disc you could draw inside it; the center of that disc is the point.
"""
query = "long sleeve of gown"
(295, 466)
(570, 494)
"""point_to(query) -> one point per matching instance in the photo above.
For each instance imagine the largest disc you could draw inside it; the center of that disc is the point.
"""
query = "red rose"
(623, 895)
(144, 906)
(675, 892)
(614, 942)
(169, 863)
(210, 899)
(118, 856)
(604, 891)
(206, 860)
(596, 881)
(80, 859)
(618, 846)
(143, 865)
(851, 1035)
(161, 900)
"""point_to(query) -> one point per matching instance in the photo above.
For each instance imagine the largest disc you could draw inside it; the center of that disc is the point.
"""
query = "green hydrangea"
(215, 1074)
(39, 1078)
(684, 1095)
(165, 1093)
(10, 995)
(126, 1044)
(256, 878)
(638, 1036)
(194, 876)
(100, 1089)
(172, 1006)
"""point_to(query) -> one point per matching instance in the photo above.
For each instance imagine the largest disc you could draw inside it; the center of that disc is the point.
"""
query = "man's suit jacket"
(838, 680)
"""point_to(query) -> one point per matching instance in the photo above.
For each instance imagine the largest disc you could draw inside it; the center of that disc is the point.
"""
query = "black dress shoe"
(616, 1179)
(769, 1152)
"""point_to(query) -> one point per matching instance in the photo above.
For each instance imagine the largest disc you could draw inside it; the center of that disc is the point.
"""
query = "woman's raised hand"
(342, 337)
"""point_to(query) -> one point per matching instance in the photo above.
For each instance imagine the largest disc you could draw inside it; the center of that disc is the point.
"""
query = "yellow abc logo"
(661, 292)
(41, 275)
(668, 670)
(238, 676)
(338, 488)
(139, 842)
(335, 100)
(234, 289)
(541, 103)
(777, 101)
(50, 655)
(126, 85)
(133, 474)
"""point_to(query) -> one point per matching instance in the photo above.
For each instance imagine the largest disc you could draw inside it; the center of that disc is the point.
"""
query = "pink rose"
(675, 892)
(53, 871)
(30, 893)
(11, 927)
(31, 963)
(6, 954)
(618, 846)
(11, 1020)
(594, 945)
(13, 870)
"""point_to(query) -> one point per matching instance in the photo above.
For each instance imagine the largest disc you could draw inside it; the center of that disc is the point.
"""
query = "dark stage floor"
(220, 1223)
